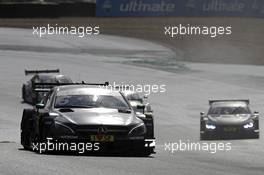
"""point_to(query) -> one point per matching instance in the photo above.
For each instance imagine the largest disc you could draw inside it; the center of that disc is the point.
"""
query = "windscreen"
(228, 110)
(91, 101)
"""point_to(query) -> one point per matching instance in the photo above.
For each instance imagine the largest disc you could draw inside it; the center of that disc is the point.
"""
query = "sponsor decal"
(180, 8)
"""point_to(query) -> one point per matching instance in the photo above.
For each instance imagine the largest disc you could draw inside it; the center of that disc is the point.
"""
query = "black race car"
(81, 113)
(40, 76)
(229, 119)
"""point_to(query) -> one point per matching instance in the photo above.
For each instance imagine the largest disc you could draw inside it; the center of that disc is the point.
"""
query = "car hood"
(98, 116)
(229, 119)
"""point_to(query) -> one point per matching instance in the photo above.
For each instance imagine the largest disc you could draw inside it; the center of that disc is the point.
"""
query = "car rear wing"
(28, 72)
(214, 101)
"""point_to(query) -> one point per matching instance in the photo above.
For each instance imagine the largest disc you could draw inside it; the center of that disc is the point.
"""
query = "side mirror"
(149, 115)
(145, 96)
(40, 106)
(255, 112)
(202, 113)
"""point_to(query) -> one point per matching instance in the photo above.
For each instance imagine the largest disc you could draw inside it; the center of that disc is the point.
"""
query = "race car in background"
(229, 119)
(41, 76)
(142, 108)
(135, 99)
(82, 113)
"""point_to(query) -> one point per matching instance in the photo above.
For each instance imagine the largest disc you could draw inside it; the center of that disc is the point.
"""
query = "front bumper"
(230, 132)
(118, 146)
(121, 142)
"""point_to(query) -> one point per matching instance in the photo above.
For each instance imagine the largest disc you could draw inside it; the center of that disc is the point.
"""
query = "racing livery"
(81, 113)
(40, 76)
(229, 119)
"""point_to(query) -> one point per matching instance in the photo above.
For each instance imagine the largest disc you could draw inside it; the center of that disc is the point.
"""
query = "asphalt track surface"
(107, 58)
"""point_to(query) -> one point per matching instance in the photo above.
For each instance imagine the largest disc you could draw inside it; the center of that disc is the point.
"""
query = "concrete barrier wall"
(49, 10)
(28, 10)
(115, 8)
(76, 9)
(245, 8)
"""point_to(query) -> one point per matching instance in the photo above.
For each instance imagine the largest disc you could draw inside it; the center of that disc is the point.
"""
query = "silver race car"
(80, 113)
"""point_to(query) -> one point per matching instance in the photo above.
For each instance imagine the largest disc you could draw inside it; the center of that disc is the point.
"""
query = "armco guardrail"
(247, 8)
(46, 10)
(76, 9)
(28, 10)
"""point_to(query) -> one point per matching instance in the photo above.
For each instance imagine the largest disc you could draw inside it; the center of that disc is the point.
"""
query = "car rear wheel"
(255, 136)
(256, 124)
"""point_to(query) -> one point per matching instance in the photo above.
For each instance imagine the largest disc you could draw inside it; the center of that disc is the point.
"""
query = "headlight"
(53, 114)
(210, 126)
(138, 130)
(62, 129)
(248, 125)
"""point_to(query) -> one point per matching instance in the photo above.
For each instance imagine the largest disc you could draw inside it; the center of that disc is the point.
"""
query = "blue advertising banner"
(115, 8)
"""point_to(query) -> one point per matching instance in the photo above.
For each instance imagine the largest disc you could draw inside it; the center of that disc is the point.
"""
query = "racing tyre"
(255, 136)
(202, 128)
(26, 127)
(24, 93)
(256, 123)
(205, 137)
